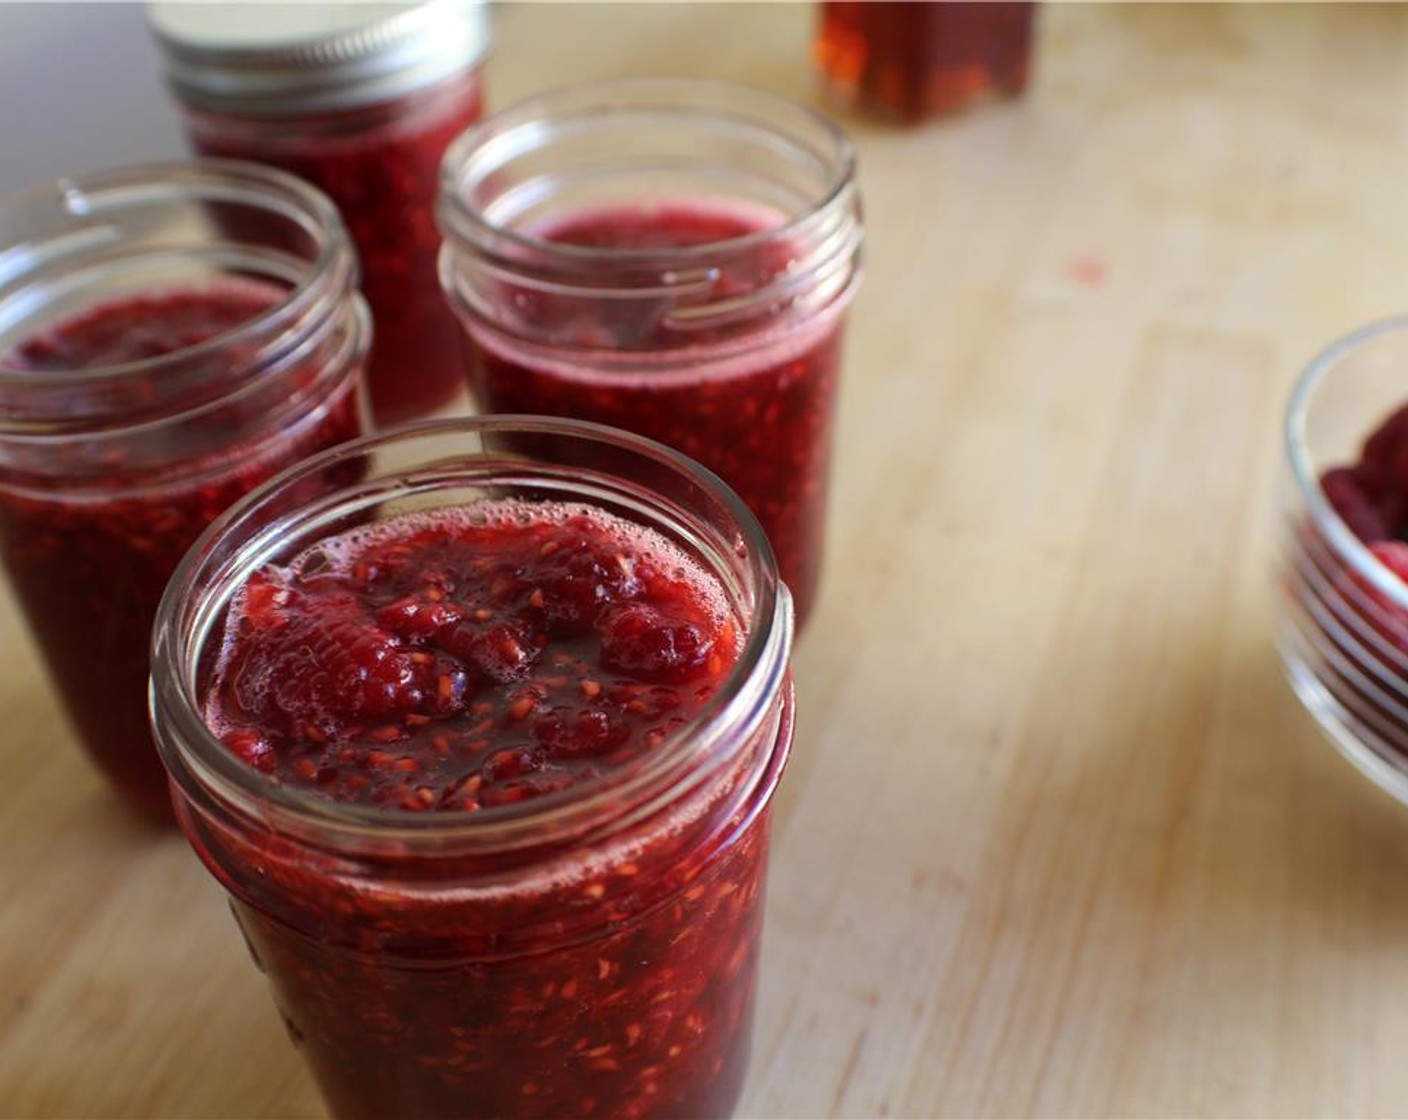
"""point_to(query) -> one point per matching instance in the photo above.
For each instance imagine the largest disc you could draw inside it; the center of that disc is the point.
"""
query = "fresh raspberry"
(1344, 492)
(1387, 617)
(1383, 450)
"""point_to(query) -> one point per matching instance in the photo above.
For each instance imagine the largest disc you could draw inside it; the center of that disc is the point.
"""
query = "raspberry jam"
(488, 780)
(379, 165)
(89, 564)
(170, 337)
(472, 659)
(360, 100)
(1371, 495)
(915, 60)
(144, 326)
(761, 420)
(673, 258)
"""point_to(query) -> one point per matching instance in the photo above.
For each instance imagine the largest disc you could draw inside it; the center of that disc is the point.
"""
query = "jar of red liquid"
(1342, 624)
(670, 257)
(170, 337)
(360, 100)
(914, 60)
(482, 745)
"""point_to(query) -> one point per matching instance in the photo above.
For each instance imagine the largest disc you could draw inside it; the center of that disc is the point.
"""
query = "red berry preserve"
(145, 388)
(361, 101)
(701, 305)
(482, 745)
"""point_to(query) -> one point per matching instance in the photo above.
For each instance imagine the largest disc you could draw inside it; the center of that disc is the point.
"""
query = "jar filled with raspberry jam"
(170, 337)
(675, 258)
(361, 100)
(479, 722)
(916, 59)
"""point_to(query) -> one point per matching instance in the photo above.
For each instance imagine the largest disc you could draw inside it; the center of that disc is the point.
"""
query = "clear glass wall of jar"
(170, 337)
(588, 951)
(362, 104)
(674, 258)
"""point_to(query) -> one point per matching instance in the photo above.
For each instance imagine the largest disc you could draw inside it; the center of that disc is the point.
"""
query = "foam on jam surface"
(761, 420)
(89, 559)
(455, 660)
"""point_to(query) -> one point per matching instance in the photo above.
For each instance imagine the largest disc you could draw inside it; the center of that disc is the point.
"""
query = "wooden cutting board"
(1056, 839)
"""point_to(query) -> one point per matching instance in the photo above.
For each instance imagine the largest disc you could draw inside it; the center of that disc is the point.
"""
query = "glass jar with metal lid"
(361, 100)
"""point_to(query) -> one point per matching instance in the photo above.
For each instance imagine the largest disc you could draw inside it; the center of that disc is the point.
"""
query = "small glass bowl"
(1342, 615)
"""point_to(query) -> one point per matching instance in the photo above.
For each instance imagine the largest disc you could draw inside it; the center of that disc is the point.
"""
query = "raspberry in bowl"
(170, 337)
(1342, 625)
(482, 745)
(673, 258)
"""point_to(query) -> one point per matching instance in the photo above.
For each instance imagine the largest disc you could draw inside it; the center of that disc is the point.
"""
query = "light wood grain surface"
(1056, 839)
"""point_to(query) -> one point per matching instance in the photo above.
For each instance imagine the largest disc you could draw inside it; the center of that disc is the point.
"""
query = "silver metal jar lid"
(274, 59)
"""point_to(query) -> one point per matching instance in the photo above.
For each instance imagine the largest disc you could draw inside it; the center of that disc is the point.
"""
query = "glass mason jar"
(914, 60)
(1342, 609)
(360, 100)
(674, 258)
(170, 337)
(588, 952)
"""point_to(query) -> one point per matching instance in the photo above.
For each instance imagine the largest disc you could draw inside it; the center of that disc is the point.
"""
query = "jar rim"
(1327, 520)
(195, 757)
(84, 197)
(609, 96)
